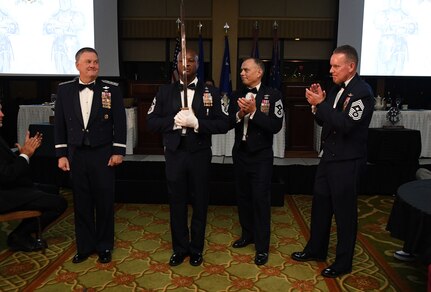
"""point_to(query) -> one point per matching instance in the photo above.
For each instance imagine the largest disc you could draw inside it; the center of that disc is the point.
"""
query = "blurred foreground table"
(410, 218)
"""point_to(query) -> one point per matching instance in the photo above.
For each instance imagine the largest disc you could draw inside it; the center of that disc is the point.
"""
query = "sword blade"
(183, 54)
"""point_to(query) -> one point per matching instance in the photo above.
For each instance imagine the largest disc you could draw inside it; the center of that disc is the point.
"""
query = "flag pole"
(175, 71)
(274, 74)
(200, 27)
(255, 49)
(225, 84)
(201, 69)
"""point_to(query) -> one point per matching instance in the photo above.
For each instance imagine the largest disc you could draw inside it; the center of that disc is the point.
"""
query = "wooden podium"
(299, 119)
(148, 142)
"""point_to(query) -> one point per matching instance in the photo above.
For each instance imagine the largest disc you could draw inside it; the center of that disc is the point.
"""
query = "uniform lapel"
(77, 103)
(197, 98)
(176, 102)
(340, 102)
(346, 91)
(96, 104)
(259, 96)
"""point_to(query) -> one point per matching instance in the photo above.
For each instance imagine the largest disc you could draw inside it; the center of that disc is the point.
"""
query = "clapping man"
(256, 113)
(19, 193)
(345, 114)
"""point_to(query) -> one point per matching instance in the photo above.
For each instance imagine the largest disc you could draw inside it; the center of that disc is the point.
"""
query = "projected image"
(395, 25)
(42, 36)
(8, 26)
(393, 38)
(65, 25)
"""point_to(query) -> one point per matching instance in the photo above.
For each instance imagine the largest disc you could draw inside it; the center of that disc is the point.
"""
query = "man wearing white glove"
(187, 141)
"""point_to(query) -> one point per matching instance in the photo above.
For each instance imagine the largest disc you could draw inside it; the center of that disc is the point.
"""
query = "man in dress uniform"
(345, 114)
(90, 139)
(19, 193)
(187, 143)
(256, 113)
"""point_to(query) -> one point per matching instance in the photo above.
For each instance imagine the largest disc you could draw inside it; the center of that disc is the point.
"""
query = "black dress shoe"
(242, 243)
(24, 243)
(177, 258)
(301, 256)
(80, 257)
(196, 259)
(332, 273)
(261, 258)
(105, 256)
(41, 244)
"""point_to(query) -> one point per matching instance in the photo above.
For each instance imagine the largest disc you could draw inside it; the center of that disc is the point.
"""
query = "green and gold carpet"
(143, 248)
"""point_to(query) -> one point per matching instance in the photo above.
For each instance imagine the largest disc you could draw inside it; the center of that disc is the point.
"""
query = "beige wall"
(288, 8)
(164, 8)
(146, 24)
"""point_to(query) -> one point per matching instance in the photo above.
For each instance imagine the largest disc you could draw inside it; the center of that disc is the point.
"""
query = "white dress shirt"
(249, 116)
(86, 100)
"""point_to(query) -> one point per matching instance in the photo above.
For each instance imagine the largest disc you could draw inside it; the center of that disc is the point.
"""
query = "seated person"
(402, 255)
(19, 193)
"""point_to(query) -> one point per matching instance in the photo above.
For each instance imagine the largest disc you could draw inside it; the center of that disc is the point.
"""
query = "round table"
(410, 218)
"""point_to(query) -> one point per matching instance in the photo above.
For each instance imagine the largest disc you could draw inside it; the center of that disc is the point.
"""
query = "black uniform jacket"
(106, 124)
(14, 175)
(266, 122)
(167, 104)
(345, 128)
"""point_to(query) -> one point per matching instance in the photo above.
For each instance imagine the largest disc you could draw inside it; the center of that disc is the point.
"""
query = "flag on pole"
(175, 77)
(201, 71)
(225, 81)
(255, 49)
(274, 74)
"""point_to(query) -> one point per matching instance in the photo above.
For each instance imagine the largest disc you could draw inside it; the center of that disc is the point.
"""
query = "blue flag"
(274, 74)
(225, 81)
(201, 71)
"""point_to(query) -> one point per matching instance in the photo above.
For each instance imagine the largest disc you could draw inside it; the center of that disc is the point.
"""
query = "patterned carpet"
(143, 248)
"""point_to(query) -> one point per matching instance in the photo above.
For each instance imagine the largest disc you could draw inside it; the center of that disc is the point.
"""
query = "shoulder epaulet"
(66, 82)
(110, 82)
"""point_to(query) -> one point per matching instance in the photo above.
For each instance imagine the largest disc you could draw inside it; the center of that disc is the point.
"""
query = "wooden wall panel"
(148, 142)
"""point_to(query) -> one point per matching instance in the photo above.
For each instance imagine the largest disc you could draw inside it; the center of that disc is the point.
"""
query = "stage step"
(141, 178)
(144, 182)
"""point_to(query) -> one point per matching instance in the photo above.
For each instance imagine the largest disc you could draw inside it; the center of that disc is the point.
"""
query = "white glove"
(192, 121)
(186, 118)
(176, 119)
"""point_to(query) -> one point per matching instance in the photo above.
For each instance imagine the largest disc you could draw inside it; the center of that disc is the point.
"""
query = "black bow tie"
(89, 86)
(342, 85)
(252, 90)
(191, 86)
